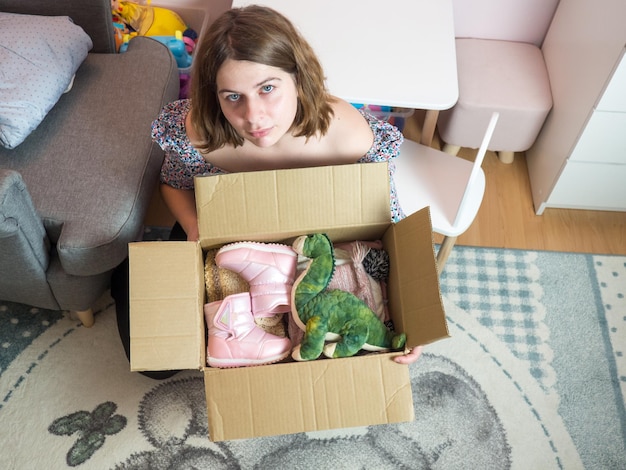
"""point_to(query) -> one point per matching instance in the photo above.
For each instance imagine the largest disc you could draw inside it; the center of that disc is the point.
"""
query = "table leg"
(428, 129)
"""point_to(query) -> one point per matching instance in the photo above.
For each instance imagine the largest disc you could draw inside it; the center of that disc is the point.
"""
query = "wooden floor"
(507, 217)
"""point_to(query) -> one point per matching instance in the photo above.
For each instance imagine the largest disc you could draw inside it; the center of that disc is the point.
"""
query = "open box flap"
(414, 294)
(167, 293)
(294, 397)
(166, 299)
(347, 201)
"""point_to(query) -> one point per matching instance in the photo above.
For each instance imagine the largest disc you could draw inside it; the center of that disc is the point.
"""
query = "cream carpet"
(533, 377)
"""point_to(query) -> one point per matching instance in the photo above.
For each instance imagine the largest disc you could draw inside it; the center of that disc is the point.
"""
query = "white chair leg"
(85, 317)
(451, 149)
(506, 157)
(444, 252)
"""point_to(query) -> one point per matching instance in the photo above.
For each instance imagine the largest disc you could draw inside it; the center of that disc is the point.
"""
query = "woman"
(258, 102)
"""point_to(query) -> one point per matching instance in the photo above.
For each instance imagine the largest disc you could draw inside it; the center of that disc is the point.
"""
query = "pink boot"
(269, 268)
(235, 340)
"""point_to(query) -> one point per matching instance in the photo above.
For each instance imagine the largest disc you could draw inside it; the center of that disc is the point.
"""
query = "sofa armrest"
(19, 217)
(94, 16)
(24, 246)
(91, 166)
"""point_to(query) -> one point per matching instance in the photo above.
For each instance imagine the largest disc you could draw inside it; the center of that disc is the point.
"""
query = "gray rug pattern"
(533, 376)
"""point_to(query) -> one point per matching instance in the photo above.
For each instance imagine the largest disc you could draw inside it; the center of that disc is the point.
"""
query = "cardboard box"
(348, 202)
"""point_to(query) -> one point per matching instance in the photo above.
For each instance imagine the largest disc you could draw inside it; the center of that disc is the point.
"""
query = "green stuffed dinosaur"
(334, 315)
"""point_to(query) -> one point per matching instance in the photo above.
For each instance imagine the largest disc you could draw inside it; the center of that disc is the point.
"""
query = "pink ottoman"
(503, 76)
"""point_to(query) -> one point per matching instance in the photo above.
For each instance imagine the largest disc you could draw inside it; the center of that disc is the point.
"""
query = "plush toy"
(334, 315)
(147, 20)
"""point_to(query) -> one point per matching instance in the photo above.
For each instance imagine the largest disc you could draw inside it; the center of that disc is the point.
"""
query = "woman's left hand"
(409, 357)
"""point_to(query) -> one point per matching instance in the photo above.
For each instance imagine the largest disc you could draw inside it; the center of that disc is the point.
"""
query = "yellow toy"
(147, 20)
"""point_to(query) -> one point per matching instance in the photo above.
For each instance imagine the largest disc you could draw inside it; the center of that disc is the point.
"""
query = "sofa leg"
(85, 317)
(506, 157)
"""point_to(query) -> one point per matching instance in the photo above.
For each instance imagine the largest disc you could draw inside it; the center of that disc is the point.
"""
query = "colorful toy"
(147, 20)
(373, 107)
(119, 32)
(127, 37)
(334, 315)
(178, 47)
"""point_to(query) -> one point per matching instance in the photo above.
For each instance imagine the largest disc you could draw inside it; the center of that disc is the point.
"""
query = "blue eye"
(267, 88)
(233, 97)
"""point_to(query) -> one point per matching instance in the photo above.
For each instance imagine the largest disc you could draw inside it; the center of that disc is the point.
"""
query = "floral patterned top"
(182, 161)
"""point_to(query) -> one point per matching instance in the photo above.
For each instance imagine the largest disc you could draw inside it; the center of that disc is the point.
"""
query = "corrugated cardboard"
(349, 202)
(167, 298)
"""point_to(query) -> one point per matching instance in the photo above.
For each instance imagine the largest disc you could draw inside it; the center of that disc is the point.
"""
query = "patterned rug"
(533, 376)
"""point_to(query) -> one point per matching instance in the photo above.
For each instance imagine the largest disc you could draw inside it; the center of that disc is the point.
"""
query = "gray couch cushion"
(24, 247)
(93, 144)
(94, 16)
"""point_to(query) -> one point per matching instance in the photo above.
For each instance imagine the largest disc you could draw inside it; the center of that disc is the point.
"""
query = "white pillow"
(39, 55)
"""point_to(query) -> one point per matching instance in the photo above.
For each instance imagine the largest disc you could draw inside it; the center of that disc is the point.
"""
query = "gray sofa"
(75, 192)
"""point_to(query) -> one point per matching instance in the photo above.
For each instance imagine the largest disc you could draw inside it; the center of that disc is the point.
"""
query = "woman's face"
(258, 100)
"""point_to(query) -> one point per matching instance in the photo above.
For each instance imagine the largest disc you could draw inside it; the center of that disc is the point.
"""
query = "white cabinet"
(579, 158)
(603, 140)
(594, 176)
(590, 186)
(614, 97)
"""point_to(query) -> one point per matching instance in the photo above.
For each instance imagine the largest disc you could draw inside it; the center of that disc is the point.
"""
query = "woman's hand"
(409, 357)
(193, 235)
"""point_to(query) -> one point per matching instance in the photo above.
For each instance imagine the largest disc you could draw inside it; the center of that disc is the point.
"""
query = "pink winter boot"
(269, 269)
(235, 340)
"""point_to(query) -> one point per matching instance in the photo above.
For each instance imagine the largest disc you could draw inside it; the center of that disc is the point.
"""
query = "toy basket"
(391, 114)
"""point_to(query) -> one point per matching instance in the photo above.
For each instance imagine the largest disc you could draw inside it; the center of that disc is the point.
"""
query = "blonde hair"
(261, 35)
